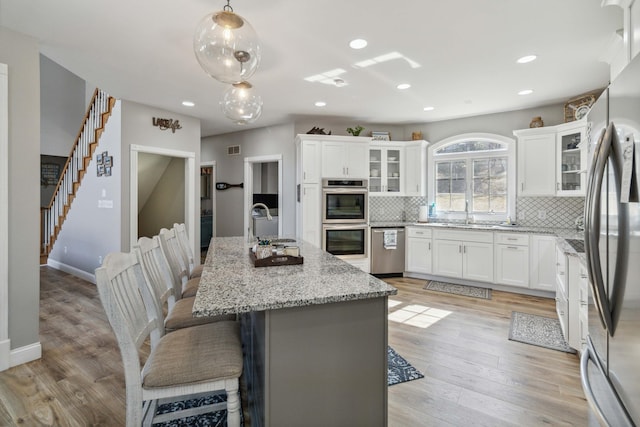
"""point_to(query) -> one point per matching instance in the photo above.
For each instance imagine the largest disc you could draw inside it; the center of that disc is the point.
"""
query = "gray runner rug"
(538, 330)
(451, 288)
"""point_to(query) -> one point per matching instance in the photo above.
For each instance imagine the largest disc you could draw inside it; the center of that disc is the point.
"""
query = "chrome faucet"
(269, 218)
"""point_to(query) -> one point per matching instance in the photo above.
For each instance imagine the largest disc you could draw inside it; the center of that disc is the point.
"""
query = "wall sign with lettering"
(165, 124)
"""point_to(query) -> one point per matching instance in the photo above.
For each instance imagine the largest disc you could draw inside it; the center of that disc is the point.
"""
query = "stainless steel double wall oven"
(345, 216)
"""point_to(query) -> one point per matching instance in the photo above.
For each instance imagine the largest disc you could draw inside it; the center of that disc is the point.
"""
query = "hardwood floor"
(474, 376)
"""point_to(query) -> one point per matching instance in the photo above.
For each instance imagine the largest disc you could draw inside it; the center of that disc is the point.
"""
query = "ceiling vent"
(233, 150)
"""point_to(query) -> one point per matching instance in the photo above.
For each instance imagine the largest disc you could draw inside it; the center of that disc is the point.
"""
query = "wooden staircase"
(52, 216)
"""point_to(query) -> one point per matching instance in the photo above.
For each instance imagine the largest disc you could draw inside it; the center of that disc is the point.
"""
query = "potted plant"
(355, 131)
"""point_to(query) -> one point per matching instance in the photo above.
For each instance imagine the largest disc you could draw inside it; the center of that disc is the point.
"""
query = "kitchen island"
(314, 335)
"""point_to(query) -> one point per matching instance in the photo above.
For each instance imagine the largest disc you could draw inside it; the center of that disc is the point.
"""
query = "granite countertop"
(231, 284)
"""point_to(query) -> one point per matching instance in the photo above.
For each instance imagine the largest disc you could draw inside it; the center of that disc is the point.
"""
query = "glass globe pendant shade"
(227, 47)
(240, 103)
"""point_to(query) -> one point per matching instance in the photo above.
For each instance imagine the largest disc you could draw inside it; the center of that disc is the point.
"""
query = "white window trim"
(511, 174)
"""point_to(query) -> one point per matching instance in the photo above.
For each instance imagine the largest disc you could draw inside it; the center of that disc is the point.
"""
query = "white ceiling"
(467, 49)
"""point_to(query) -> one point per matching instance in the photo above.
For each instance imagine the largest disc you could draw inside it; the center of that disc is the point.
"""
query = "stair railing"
(54, 214)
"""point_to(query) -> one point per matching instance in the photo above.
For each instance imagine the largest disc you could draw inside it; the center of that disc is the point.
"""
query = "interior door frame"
(214, 205)
(248, 187)
(190, 189)
(5, 342)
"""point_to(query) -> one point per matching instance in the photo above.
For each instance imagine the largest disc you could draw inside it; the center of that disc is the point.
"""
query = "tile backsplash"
(552, 212)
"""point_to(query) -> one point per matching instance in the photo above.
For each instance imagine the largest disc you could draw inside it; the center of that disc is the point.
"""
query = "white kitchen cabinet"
(345, 159)
(415, 169)
(310, 226)
(463, 254)
(419, 250)
(542, 263)
(571, 155)
(578, 295)
(512, 259)
(309, 159)
(536, 149)
(562, 294)
(386, 169)
(552, 160)
(398, 168)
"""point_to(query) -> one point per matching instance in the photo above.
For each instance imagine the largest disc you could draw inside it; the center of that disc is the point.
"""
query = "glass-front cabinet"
(571, 172)
(385, 172)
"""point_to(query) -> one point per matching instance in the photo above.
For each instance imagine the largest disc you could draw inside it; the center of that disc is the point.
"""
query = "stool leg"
(233, 403)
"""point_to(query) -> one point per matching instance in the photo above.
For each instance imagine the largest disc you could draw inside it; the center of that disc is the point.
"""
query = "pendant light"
(227, 46)
(241, 104)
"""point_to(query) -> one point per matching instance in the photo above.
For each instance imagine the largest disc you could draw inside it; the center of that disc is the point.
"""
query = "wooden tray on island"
(275, 260)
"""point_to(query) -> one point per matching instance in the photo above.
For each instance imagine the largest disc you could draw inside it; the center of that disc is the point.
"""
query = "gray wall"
(165, 205)
(21, 55)
(137, 129)
(62, 108)
(256, 142)
(498, 123)
(91, 232)
(280, 139)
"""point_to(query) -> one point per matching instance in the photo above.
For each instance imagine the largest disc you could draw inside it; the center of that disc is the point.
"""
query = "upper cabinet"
(552, 161)
(536, 162)
(415, 171)
(571, 171)
(397, 168)
(309, 160)
(385, 169)
(345, 159)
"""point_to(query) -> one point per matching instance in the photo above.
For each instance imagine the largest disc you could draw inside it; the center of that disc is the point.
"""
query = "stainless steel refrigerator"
(610, 363)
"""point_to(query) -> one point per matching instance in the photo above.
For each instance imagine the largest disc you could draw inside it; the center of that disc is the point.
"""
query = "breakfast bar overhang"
(314, 335)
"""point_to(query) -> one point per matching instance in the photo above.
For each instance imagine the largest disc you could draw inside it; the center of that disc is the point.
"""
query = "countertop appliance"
(387, 250)
(610, 362)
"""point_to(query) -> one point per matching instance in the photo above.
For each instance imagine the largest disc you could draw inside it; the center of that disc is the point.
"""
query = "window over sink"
(473, 174)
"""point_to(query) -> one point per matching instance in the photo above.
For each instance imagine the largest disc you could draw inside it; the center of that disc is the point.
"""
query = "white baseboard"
(5, 355)
(25, 354)
(72, 270)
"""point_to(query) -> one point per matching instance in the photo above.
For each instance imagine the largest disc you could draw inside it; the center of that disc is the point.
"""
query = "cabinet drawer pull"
(429, 245)
(515, 248)
(512, 238)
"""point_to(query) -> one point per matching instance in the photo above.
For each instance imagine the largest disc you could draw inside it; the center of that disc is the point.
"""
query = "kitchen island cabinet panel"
(314, 334)
(346, 379)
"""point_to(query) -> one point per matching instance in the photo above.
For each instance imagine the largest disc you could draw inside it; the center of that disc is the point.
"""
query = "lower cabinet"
(542, 263)
(463, 254)
(419, 250)
(578, 303)
(512, 259)
(508, 258)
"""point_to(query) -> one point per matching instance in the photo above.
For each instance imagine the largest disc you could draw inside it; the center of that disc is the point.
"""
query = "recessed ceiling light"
(358, 44)
(403, 86)
(526, 59)
(339, 82)
(188, 103)
(525, 92)
(320, 104)
(428, 108)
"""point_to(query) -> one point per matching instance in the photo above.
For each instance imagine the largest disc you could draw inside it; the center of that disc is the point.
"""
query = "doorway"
(207, 204)
(263, 184)
(155, 174)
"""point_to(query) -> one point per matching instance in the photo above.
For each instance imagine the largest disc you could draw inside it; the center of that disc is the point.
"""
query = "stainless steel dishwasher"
(386, 257)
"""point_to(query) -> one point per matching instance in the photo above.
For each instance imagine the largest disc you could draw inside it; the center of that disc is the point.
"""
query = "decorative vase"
(536, 122)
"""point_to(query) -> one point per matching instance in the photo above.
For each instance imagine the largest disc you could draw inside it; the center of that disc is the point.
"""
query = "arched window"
(473, 174)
